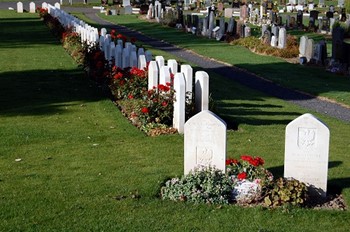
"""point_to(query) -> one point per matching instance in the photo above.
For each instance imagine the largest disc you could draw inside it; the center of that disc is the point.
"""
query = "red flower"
(231, 161)
(242, 176)
(118, 75)
(164, 103)
(246, 158)
(145, 110)
(260, 160)
(130, 96)
(119, 36)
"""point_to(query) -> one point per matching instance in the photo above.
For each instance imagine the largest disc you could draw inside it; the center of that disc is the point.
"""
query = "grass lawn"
(84, 167)
(314, 80)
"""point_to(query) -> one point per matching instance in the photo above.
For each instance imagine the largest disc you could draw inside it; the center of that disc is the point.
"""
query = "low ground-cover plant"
(245, 182)
(256, 45)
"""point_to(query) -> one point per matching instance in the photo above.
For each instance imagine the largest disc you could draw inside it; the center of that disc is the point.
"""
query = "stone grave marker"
(300, 18)
(321, 3)
(309, 53)
(204, 142)
(172, 64)
(340, 3)
(164, 75)
(337, 43)
(201, 91)
(188, 73)
(118, 55)
(228, 12)
(31, 7)
(44, 5)
(126, 58)
(303, 45)
(142, 63)
(148, 55)
(231, 26)
(160, 61)
(274, 41)
(306, 153)
(267, 37)
(282, 38)
(19, 7)
(153, 73)
(180, 102)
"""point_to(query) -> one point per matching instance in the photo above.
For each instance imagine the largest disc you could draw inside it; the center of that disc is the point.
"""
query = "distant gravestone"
(309, 54)
(306, 153)
(31, 7)
(337, 43)
(267, 37)
(118, 55)
(204, 142)
(148, 55)
(228, 12)
(340, 3)
(201, 91)
(57, 5)
(282, 38)
(142, 63)
(19, 7)
(274, 41)
(321, 3)
(231, 26)
(303, 45)
(44, 5)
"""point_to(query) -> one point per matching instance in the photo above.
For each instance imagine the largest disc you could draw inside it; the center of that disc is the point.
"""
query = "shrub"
(203, 185)
(286, 192)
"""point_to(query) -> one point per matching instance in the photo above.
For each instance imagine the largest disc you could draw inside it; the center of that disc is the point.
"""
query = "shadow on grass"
(44, 92)
(18, 33)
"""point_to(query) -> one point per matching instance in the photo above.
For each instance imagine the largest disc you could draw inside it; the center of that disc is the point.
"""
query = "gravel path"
(304, 100)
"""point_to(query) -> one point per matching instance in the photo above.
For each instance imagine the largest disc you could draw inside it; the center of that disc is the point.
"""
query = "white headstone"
(306, 153)
(309, 49)
(148, 55)
(188, 73)
(205, 141)
(303, 46)
(133, 59)
(118, 56)
(153, 74)
(19, 7)
(142, 62)
(179, 103)
(173, 66)
(201, 91)
(160, 61)
(282, 38)
(31, 7)
(164, 75)
(44, 5)
(126, 3)
(125, 58)
(103, 31)
(274, 41)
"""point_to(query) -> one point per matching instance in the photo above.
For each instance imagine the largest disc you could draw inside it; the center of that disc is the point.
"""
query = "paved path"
(306, 101)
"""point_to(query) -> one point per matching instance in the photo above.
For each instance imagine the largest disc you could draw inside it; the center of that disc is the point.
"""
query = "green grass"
(314, 80)
(80, 155)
